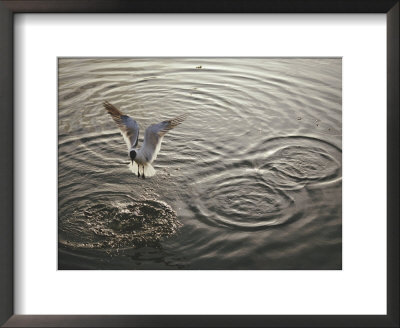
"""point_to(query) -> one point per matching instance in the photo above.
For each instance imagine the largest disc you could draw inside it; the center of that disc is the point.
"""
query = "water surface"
(251, 180)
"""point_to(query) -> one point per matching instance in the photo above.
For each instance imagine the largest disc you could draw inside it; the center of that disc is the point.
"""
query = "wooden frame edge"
(9, 8)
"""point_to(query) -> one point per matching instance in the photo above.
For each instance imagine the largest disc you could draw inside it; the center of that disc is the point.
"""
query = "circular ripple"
(265, 187)
(300, 161)
(242, 199)
(118, 225)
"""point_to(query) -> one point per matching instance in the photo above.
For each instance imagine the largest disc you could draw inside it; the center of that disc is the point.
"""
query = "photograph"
(199, 163)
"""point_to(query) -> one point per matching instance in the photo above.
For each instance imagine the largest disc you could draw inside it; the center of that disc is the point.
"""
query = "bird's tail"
(148, 169)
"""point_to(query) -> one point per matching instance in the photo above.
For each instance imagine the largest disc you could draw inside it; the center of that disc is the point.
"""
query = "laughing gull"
(153, 137)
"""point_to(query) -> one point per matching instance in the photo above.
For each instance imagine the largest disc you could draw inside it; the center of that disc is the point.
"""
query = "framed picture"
(181, 164)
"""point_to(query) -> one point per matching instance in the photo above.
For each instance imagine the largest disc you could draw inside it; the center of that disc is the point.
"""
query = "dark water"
(251, 180)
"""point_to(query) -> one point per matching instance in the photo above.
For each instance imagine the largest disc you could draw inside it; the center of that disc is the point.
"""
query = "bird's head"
(132, 155)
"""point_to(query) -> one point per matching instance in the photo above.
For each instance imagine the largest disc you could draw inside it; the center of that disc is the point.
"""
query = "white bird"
(153, 137)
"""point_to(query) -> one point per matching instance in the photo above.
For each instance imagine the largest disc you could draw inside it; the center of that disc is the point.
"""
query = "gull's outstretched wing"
(154, 135)
(128, 126)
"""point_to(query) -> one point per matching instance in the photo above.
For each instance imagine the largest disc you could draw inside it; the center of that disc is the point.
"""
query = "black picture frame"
(10, 7)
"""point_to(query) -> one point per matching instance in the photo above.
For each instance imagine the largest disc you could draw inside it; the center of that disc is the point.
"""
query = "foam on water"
(118, 225)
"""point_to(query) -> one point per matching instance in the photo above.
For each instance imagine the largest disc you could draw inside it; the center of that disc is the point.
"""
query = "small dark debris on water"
(299, 118)
(198, 67)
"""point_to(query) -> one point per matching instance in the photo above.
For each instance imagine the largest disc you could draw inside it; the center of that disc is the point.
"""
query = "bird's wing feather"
(128, 126)
(154, 135)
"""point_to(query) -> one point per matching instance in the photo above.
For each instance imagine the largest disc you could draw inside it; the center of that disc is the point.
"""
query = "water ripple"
(260, 190)
(243, 200)
(254, 173)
